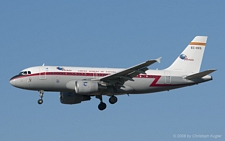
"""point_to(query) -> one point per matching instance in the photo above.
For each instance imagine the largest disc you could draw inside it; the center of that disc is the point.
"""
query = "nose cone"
(12, 81)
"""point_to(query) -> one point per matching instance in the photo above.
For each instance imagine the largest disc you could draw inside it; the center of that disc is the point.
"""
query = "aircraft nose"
(12, 81)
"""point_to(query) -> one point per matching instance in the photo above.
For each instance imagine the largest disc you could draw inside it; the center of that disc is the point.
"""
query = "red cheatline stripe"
(76, 74)
(161, 85)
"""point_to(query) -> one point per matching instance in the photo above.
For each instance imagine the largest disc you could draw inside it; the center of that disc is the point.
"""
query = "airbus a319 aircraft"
(77, 84)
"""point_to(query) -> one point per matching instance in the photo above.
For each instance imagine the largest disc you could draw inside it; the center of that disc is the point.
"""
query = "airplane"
(78, 84)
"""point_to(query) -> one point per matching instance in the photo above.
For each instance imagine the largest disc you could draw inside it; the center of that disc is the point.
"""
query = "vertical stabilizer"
(191, 58)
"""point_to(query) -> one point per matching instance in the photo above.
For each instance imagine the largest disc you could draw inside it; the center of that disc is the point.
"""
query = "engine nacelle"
(72, 98)
(86, 87)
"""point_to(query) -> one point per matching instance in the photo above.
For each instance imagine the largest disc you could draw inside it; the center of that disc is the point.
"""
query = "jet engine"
(72, 98)
(86, 87)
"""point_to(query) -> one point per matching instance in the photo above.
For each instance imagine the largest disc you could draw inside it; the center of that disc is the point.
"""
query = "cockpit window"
(25, 72)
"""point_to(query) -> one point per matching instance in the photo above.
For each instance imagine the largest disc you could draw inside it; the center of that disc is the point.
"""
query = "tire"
(40, 101)
(113, 99)
(102, 106)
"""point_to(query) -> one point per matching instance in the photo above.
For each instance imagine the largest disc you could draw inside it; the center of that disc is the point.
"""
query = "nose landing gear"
(40, 101)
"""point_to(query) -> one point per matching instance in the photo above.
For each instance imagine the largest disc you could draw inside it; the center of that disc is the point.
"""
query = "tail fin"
(191, 58)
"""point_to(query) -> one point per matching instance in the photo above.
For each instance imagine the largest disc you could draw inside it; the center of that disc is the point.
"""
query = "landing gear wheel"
(102, 106)
(113, 99)
(40, 101)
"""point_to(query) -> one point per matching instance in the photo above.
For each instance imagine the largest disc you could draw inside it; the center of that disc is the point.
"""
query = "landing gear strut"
(40, 101)
(101, 105)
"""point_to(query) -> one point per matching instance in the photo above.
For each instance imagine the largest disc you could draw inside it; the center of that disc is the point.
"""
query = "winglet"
(158, 59)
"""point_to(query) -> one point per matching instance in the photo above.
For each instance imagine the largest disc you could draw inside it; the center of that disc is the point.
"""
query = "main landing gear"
(101, 105)
(112, 100)
(40, 101)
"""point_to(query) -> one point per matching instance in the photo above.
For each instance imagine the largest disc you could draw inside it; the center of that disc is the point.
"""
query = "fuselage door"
(167, 77)
(95, 75)
(42, 73)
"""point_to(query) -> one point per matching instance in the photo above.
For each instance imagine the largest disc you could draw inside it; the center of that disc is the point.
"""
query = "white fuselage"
(53, 78)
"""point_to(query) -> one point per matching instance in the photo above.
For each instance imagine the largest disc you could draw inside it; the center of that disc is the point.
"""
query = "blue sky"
(110, 34)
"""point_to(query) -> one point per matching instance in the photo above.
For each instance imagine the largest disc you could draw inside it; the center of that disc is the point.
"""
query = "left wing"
(129, 73)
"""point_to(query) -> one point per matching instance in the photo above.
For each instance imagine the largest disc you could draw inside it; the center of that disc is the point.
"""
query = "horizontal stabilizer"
(199, 75)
